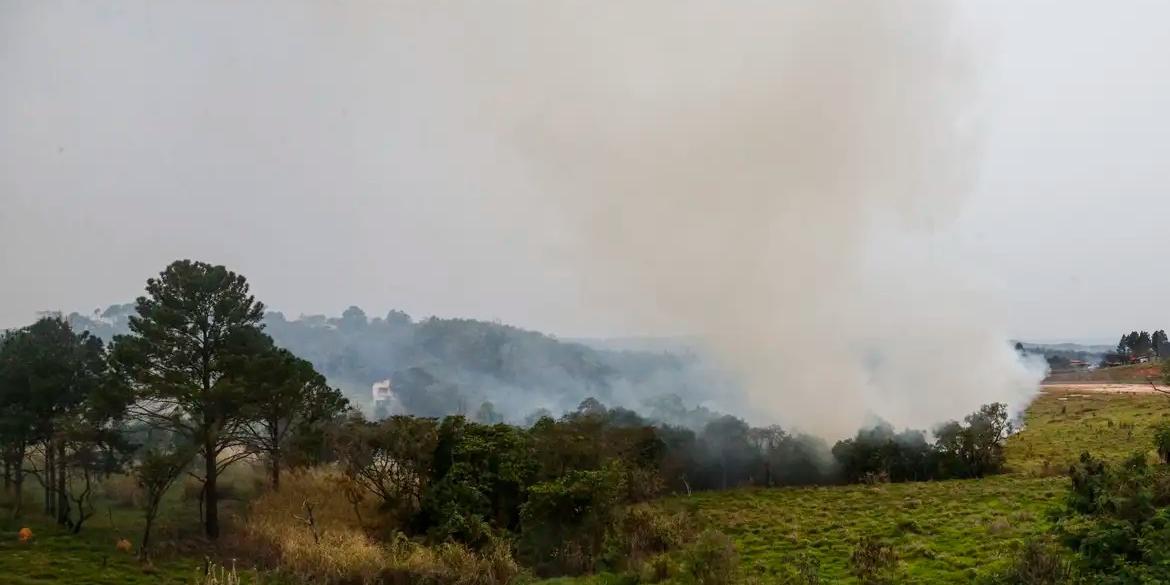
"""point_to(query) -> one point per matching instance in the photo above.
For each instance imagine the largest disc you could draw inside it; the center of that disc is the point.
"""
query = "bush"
(1038, 563)
(330, 547)
(641, 532)
(1116, 519)
(1162, 441)
(656, 569)
(565, 522)
(712, 559)
(873, 563)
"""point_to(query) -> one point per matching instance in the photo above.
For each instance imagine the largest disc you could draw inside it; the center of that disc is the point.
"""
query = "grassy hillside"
(944, 532)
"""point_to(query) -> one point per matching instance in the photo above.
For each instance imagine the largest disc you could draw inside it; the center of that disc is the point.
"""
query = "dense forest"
(441, 367)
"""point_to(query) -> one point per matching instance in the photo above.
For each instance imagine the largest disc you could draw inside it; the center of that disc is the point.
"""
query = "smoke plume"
(776, 178)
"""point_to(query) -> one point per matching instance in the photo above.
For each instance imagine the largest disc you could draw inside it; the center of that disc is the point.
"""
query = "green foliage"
(642, 534)
(58, 407)
(288, 399)
(879, 454)
(1162, 441)
(972, 449)
(195, 334)
(1117, 519)
(392, 459)
(565, 521)
(976, 449)
(1039, 563)
(479, 483)
(154, 474)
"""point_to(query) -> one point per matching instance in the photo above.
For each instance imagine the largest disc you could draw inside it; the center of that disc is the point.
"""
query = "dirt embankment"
(1135, 374)
(1086, 387)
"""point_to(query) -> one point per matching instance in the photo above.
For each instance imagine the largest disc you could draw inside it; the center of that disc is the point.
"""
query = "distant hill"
(1069, 347)
(1059, 355)
(449, 366)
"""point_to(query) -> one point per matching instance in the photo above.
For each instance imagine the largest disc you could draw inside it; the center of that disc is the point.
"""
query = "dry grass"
(309, 531)
(121, 492)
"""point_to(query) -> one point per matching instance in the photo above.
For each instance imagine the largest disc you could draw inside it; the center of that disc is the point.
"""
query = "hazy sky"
(326, 151)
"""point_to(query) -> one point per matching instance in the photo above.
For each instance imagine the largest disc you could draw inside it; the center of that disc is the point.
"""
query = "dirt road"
(1101, 387)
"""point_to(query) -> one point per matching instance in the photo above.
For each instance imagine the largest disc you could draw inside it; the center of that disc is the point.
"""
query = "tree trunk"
(276, 469)
(49, 480)
(18, 481)
(144, 546)
(18, 502)
(210, 494)
(62, 499)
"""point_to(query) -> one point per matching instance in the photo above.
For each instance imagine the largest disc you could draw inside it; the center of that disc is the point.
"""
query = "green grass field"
(91, 557)
(53, 556)
(943, 532)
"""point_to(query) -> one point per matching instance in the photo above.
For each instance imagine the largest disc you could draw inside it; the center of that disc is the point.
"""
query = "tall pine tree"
(190, 336)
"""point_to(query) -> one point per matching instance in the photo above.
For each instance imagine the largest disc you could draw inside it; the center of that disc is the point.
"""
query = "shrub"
(642, 531)
(1162, 441)
(330, 548)
(1116, 519)
(712, 559)
(873, 562)
(1038, 563)
(656, 569)
(565, 522)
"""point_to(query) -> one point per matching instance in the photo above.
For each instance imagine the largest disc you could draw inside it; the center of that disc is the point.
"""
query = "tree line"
(558, 485)
(1143, 344)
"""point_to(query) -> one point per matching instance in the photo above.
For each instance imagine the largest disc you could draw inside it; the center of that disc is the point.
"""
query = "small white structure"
(381, 391)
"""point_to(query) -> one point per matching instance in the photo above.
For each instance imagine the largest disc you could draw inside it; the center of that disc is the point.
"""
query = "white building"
(381, 391)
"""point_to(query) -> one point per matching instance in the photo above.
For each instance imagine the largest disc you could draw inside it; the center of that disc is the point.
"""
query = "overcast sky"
(324, 150)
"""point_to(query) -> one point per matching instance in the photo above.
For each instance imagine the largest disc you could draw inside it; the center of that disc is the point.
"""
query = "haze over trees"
(57, 402)
(440, 367)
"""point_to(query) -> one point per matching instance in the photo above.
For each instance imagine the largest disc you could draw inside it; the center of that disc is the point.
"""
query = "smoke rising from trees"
(772, 178)
(776, 179)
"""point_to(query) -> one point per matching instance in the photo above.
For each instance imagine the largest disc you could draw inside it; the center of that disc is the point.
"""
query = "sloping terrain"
(943, 532)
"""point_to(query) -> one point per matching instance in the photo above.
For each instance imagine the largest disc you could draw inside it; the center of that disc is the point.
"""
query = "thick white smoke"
(776, 177)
